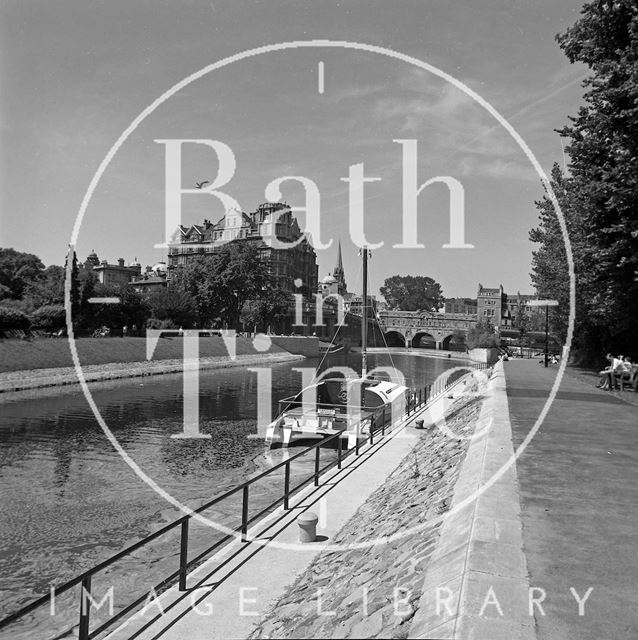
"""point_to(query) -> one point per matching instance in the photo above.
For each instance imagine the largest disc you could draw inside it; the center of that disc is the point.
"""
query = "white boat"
(351, 406)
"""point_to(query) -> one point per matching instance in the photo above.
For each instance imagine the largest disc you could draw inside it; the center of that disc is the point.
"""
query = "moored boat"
(348, 405)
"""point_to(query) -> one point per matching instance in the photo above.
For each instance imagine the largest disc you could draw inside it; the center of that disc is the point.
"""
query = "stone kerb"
(477, 582)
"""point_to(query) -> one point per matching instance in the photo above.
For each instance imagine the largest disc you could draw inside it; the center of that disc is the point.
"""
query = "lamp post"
(547, 304)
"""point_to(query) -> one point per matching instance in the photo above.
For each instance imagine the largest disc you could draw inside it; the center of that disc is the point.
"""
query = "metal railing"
(416, 400)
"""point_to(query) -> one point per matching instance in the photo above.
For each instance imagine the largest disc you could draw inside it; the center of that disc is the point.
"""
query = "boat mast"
(364, 318)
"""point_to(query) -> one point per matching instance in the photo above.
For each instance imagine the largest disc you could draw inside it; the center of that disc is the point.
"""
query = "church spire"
(339, 266)
(339, 274)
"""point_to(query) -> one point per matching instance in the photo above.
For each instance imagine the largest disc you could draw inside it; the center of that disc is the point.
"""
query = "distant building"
(153, 279)
(355, 304)
(460, 305)
(112, 274)
(270, 220)
(490, 304)
(500, 308)
(334, 283)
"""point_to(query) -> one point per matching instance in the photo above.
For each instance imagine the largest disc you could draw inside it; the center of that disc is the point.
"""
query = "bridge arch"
(394, 338)
(454, 342)
(424, 340)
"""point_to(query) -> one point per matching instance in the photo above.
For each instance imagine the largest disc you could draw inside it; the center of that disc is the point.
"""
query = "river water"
(68, 500)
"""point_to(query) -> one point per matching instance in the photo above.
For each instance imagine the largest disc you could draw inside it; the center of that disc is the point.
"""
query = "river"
(68, 500)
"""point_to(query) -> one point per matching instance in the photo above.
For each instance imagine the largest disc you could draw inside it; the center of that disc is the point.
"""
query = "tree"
(278, 309)
(412, 293)
(17, 271)
(220, 283)
(173, 305)
(131, 312)
(482, 336)
(550, 272)
(600, 195)
(48, 289)
(13, 320)
(252, 314)
(49, 318)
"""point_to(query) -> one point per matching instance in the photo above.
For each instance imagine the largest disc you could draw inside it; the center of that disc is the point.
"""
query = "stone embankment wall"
(46, 363)
(307, 346)
(484, 355)
(375, 590)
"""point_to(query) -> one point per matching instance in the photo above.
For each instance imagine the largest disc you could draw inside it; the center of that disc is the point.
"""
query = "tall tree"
(550, 271)
(412, 293)
(17, 271)
(220, 283)
(173, 305)
(600, 193)
(48, 289)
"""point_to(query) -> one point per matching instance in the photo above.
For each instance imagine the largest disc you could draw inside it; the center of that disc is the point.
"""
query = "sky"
(74, 74)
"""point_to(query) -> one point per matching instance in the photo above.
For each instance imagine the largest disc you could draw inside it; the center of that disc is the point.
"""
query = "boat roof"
(386, 389)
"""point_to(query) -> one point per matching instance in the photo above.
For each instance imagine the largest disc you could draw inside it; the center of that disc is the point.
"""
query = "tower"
(339, 274)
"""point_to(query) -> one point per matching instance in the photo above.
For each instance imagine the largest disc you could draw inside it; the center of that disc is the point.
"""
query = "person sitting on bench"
(608, 375)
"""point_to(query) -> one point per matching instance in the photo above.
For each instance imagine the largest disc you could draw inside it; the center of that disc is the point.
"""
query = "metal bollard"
(307, 526)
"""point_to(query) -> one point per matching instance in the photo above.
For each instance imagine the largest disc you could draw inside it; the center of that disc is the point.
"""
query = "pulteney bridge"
(425, 329)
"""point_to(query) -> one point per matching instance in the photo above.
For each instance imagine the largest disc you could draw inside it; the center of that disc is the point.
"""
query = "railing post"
(356, 444)
(183, 555)
(420, 396)
(371, 430)
(244, 515)
(317, 454)
(286, 485)
(383, 422)
(339, 451)
(85, 591)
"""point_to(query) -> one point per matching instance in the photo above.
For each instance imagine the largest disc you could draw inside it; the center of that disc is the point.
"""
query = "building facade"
(490, 303)
(119, 275)
(501, 309)
(460, 305)
(152, 280)
(287, 266)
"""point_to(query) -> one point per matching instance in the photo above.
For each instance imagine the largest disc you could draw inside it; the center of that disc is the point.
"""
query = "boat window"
(371, 399)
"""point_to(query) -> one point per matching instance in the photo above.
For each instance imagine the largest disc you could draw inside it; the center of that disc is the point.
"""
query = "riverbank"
(15, 381)
(361, 584)
(268, 566)
(46, 363)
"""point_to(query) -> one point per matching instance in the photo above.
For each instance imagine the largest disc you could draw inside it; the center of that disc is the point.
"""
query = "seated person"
(627, 369)
(608, 375)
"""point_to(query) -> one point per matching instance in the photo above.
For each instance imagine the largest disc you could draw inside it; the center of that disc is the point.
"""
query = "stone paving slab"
(578, 480)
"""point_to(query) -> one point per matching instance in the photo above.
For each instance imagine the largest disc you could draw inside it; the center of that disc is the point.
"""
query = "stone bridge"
(424, 328)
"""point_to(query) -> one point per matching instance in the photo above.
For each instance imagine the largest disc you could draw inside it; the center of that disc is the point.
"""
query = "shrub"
(482, 336)
(156, 323)
(51, 317)
(13, 320)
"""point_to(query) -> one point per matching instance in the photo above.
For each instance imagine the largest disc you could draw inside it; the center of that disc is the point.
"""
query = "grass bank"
(55, 353)
(26, 364)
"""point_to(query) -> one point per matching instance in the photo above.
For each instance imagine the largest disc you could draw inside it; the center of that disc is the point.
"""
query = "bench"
(628, 378)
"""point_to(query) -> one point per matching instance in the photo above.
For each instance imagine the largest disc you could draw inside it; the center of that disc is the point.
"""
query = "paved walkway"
(579, 497)
(228, 593)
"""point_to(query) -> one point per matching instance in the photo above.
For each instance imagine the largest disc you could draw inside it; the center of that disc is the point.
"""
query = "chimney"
(120, 262)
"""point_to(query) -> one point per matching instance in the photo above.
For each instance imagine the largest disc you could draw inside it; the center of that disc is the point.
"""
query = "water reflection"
(68, 500)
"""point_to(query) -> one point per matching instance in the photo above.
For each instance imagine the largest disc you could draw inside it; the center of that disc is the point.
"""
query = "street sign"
(542, 303)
